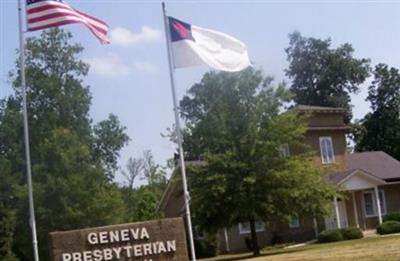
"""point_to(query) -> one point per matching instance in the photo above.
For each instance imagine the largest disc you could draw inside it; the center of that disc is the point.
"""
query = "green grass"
(367, 249)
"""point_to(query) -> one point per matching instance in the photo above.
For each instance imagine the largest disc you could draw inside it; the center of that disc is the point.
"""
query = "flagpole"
(26, 133)
(179, 134)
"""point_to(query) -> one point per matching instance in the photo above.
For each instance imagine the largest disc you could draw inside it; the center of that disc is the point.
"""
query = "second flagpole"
(179, 135)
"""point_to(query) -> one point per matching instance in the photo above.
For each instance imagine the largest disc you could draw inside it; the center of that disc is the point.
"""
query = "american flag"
(42, 14)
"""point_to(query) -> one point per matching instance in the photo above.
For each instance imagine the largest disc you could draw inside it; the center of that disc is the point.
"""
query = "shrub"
(351, 233)
(205, 248)
(276, 238)
(388, 227)
(330, 235)
(395, 216)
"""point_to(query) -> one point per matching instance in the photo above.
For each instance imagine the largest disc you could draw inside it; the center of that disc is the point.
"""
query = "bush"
(330, 235)
(351, 233)
(395, 216)
(276, 239)
(388, 227)
(333, 235)
(204, 248)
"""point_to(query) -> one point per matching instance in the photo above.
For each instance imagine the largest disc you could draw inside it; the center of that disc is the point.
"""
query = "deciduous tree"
(71, 160)
(135, 167)
(142, 201)
(324, 76)
(109, 138)
(234, 122)
(380, 129)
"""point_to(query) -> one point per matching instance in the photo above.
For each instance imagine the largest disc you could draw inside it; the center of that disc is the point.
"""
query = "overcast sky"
(129, 77)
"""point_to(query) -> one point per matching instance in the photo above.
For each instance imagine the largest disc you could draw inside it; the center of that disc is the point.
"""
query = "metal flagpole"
(179, 134)
(26, 133)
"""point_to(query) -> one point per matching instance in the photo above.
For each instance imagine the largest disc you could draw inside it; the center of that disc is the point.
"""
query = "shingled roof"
(377, 164)
(337, 177)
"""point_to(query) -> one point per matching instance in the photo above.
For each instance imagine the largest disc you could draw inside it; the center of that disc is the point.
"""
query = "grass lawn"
(367, 249)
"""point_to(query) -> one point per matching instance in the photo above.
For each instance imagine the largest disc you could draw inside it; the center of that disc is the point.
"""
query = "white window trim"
(243, 230)
(292, 224)
(383, 209)
(320, 149)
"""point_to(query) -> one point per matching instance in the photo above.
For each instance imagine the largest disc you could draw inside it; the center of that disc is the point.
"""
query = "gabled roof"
(375, 164)
(310, 108)
(337, 177)
(342, 176)
(378, 163)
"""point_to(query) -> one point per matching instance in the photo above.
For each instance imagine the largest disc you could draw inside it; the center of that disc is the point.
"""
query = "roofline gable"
(365, 173)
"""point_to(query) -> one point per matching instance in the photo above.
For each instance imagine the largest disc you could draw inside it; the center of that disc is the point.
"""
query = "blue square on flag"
(179, 30)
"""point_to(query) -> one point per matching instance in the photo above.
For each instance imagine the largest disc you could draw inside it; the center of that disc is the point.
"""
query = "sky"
(130, 77)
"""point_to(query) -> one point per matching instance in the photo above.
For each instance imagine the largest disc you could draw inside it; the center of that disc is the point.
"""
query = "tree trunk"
(254, 240)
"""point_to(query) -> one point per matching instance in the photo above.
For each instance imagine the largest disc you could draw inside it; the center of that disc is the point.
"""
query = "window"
(370, 203)
(326, 147)
(294, 222)
(284, 150)
(244, 228)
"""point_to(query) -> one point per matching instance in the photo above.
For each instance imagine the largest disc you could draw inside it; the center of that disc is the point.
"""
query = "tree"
(153, 173)
(70, 191)
(110, 137)
(8, 199)
(234, 122)
(142, 201)
(146, 202)
(380, 129)
(10, 143)
(71, 160)
(324, 76)
(135, 167)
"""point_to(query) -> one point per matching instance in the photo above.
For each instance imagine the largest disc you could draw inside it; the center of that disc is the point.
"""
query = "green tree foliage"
(234, 122)
(142, 201)
(110, 137)
(8, 200)
(10, 142)
(146, 202)
(380, 129)
(324, 76)
(153, 173)
(72, 161)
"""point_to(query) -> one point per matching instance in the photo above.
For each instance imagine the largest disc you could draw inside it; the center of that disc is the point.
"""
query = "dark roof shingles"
(375, 163)
(336, 177)
(378, 163)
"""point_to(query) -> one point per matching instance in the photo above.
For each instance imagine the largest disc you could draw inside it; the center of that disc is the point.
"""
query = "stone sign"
(157, 240)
